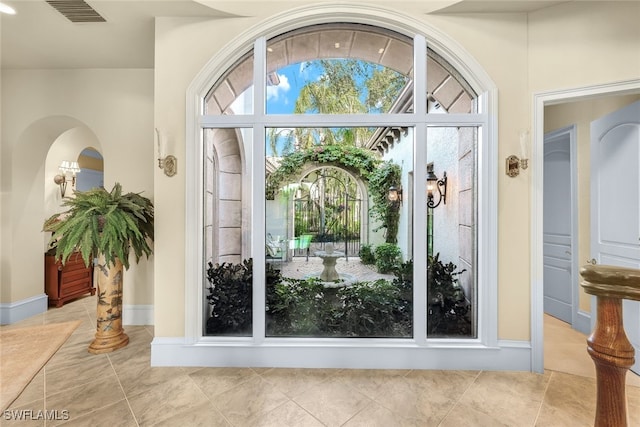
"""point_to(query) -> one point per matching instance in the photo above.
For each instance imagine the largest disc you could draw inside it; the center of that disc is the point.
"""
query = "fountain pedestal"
(329, 273)
(329, 258)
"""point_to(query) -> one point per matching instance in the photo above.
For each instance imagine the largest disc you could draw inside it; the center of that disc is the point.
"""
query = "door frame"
(540, 101)
(577, 319)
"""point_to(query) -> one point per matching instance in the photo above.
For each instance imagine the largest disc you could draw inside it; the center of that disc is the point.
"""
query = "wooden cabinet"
(64, 283)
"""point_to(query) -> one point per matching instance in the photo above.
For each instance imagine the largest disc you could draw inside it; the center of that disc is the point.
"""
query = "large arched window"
(341, 196)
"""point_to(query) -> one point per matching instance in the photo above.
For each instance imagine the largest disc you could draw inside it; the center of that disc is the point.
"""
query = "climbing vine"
(387, 212)
(359, 160)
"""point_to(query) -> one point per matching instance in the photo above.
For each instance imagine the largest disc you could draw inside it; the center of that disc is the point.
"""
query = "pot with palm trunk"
(104, 225)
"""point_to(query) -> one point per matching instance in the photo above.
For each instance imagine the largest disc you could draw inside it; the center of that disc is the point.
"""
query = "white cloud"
(273, 92)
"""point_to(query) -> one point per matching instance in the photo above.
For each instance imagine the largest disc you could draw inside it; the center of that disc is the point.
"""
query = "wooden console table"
(64, 283)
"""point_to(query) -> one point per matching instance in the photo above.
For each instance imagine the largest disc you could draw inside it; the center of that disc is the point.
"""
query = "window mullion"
(257, 191)
(419, 173)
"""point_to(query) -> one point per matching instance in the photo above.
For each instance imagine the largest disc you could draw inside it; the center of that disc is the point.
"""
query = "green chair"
(303, 242)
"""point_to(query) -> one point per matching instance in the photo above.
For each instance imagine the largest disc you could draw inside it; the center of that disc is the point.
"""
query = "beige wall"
(114, 110)
(581, 114)
(578, 44)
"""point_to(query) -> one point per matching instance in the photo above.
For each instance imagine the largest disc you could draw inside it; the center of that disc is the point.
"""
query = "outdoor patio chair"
(304, 242)
(274, 249)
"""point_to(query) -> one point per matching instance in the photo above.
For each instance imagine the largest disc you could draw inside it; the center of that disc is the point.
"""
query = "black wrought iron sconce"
(168, 163)
(395, 195)
(433, 184)
(66, 167)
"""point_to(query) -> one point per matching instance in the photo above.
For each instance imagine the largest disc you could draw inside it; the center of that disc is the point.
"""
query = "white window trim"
(487, 352)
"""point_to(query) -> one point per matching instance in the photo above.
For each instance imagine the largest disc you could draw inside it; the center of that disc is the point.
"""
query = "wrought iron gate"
(328, 210)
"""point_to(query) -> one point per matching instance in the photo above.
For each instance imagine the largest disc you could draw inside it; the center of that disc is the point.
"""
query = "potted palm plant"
(104, 225)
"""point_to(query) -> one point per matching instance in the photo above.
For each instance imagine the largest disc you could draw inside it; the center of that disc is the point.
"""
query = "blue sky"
(281, 99)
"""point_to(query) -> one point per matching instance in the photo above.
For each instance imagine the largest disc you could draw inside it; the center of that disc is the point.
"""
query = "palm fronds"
(102, 222)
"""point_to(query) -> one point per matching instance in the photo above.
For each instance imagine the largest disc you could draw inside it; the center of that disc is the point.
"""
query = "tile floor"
(121, 389)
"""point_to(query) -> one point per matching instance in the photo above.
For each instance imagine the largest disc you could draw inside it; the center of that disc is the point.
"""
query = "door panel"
(557, 248)
(615, 201)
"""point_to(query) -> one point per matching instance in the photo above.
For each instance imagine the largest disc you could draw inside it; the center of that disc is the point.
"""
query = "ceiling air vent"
(76, 10)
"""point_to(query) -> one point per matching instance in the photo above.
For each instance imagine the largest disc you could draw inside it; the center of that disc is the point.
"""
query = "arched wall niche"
(67, 146)
(38, 152)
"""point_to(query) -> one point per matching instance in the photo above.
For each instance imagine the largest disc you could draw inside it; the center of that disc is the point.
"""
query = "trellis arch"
(361, 184)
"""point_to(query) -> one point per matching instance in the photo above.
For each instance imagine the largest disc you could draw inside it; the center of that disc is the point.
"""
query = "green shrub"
(366, 255)
(231, 296)
(404, 282)
(388, 258)
(372, 309)
(448, 311)
(297, 307)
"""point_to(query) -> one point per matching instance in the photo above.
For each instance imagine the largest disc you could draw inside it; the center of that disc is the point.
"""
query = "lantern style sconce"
(66, 168)
(395, 195)
(168, 163)
(433, 184)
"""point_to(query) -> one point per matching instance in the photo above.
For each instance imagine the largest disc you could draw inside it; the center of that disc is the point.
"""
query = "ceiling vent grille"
(76, 10)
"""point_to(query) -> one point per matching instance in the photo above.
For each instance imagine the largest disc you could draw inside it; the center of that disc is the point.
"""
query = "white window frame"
(484, 352)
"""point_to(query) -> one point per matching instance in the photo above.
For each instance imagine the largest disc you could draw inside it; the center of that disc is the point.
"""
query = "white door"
(557, 234)
(615, 201)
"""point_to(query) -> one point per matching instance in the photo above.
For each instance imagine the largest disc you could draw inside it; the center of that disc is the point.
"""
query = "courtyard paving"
(300, 268)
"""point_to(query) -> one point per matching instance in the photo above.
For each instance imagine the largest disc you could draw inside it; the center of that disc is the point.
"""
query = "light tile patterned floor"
(121, 389)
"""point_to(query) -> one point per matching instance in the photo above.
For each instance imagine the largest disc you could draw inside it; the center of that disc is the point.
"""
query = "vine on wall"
(388, 213)
(359, 160)
(380, 176)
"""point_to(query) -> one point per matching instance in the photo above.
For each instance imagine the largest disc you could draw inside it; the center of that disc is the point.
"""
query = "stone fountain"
(329, 276)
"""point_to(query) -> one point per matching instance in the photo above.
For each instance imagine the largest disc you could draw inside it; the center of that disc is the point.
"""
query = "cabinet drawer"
(74, 275)
(75, 287)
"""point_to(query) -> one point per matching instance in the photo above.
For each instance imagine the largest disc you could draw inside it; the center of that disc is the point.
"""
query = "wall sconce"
(513, 163)
(433, 183)
(168, 163)
(67, 168)
(395, 195)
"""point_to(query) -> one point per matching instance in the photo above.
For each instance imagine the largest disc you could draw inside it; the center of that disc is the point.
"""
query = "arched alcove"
(35, 162)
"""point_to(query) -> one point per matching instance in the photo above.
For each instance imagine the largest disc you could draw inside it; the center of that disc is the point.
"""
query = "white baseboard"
(13, 312)
(509, 356)
(583, 322)
(137, 314)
